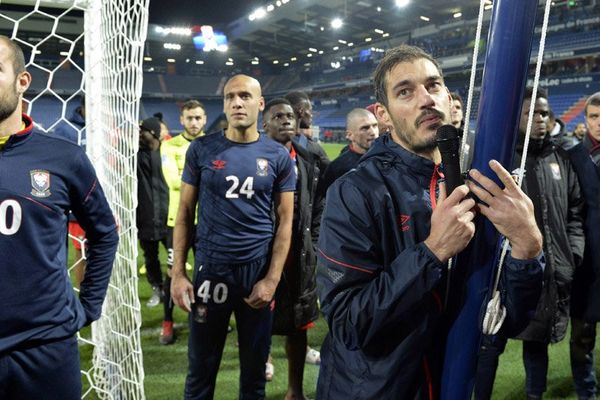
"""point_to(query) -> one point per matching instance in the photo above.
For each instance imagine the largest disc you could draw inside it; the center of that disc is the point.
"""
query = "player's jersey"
(42, 177)
(236, 183)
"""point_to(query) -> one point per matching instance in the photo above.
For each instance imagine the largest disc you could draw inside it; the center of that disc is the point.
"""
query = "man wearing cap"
(153, 204)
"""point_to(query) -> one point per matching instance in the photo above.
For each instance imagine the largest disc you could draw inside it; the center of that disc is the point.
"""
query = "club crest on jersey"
(262, 167)
(40, 183)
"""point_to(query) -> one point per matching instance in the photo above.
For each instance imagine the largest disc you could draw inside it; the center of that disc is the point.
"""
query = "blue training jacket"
(42, 177)
(382, 290)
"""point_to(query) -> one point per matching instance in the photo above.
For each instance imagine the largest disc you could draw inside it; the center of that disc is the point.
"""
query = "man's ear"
(382, 115)
(23, 82)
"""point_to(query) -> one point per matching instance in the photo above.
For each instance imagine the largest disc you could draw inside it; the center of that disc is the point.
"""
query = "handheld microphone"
(448, 141)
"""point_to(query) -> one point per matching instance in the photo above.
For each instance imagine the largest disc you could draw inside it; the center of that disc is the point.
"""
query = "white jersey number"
(10, 227)
(245, 189)
(219, 293)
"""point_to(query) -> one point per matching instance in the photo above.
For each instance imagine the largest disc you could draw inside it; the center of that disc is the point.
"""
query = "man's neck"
(189, 136)
(245, 135)
(433, 154)
(357, 149)
(12, 124)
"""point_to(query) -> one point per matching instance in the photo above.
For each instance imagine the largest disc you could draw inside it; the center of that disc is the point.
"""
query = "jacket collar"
(387, 150)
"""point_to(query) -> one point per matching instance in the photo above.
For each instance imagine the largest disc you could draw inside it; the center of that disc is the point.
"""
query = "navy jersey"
(42, 178)
(236, 182)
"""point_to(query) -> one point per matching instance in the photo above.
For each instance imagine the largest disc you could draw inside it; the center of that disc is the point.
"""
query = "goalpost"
(103, 61)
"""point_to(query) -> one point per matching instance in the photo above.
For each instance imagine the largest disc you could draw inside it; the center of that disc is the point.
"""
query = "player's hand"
(262, 293)
(509, 209)
(452, 226)
(182, 292)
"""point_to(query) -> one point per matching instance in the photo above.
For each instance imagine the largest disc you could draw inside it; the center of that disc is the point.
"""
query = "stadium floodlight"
(457, 15)
(270, 7)
(402, 3)
(424, 18)
(259, 13)
(337, 23)
(275, 61)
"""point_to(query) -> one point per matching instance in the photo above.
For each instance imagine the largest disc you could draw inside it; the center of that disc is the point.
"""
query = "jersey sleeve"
(286, 175)
(93, 213)
(191, 171)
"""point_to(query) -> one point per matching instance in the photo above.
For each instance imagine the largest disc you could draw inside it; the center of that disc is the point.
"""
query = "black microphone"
(448, 141)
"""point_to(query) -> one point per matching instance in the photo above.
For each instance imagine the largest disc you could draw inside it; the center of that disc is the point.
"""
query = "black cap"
(151, 125)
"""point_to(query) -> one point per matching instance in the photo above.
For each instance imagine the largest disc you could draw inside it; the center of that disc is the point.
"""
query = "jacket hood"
(385, 149)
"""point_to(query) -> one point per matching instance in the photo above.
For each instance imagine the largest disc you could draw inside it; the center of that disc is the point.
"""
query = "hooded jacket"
(551, 183)
(381, 288)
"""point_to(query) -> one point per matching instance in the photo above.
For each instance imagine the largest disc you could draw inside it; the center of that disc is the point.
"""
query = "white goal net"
(92, 50)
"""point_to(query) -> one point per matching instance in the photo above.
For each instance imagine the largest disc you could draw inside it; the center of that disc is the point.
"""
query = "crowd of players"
(275, 226)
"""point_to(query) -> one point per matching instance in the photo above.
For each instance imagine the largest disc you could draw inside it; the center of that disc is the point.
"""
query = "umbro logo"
(219, 164)
(403, 222)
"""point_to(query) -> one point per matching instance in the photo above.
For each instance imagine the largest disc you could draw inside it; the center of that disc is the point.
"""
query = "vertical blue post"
(504, 78)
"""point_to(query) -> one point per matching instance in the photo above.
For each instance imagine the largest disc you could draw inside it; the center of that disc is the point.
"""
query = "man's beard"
(8, 104)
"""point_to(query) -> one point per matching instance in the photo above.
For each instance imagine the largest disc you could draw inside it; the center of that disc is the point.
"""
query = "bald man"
(362, 130)
(238, 176)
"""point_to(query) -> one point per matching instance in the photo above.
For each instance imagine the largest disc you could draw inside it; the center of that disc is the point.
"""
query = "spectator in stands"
(362, 129)
(244, 183)
(74, 130)
(585, 305)
(193, 120)
(296, 296)
(164, 129)
(153, 204)
(383, 250)
(303, 109)
(552, 185)
(43, 177)
(579, 132)
(558, 132)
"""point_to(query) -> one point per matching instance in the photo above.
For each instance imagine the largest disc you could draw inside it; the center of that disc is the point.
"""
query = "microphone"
(448, 141)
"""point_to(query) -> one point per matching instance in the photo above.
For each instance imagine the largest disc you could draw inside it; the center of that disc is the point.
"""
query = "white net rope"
(99, 59)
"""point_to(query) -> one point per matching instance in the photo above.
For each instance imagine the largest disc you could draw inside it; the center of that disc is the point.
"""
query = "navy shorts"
(220, 291)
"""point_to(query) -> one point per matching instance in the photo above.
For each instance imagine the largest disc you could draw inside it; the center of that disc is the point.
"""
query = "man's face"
(148, 141)
(193, 121)
(363, 130)
(456, 113)
(580, 131)
(592, 120)
(9, 95)
(304, 114)
(242, 102)
(418, 104)
(280, 123)
(539, 127)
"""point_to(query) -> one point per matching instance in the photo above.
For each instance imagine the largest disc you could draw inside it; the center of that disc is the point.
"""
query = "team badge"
(262, 167)
(555, 171)
(40, 183)
(201, 313)
(219, 164)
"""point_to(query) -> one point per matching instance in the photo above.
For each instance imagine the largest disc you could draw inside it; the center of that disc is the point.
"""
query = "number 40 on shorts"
(218, 295)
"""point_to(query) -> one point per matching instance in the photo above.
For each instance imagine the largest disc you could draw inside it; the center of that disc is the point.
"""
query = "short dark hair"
(275, 102)
(191, 104)
(541, 93)
(296, 97)
(593, 100)
(16, 54)
(393, 57)
(457, 97)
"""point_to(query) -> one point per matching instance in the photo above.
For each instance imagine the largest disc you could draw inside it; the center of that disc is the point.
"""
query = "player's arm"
(264, 290)
(90, 207)
(182, 290)
(169, 169)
